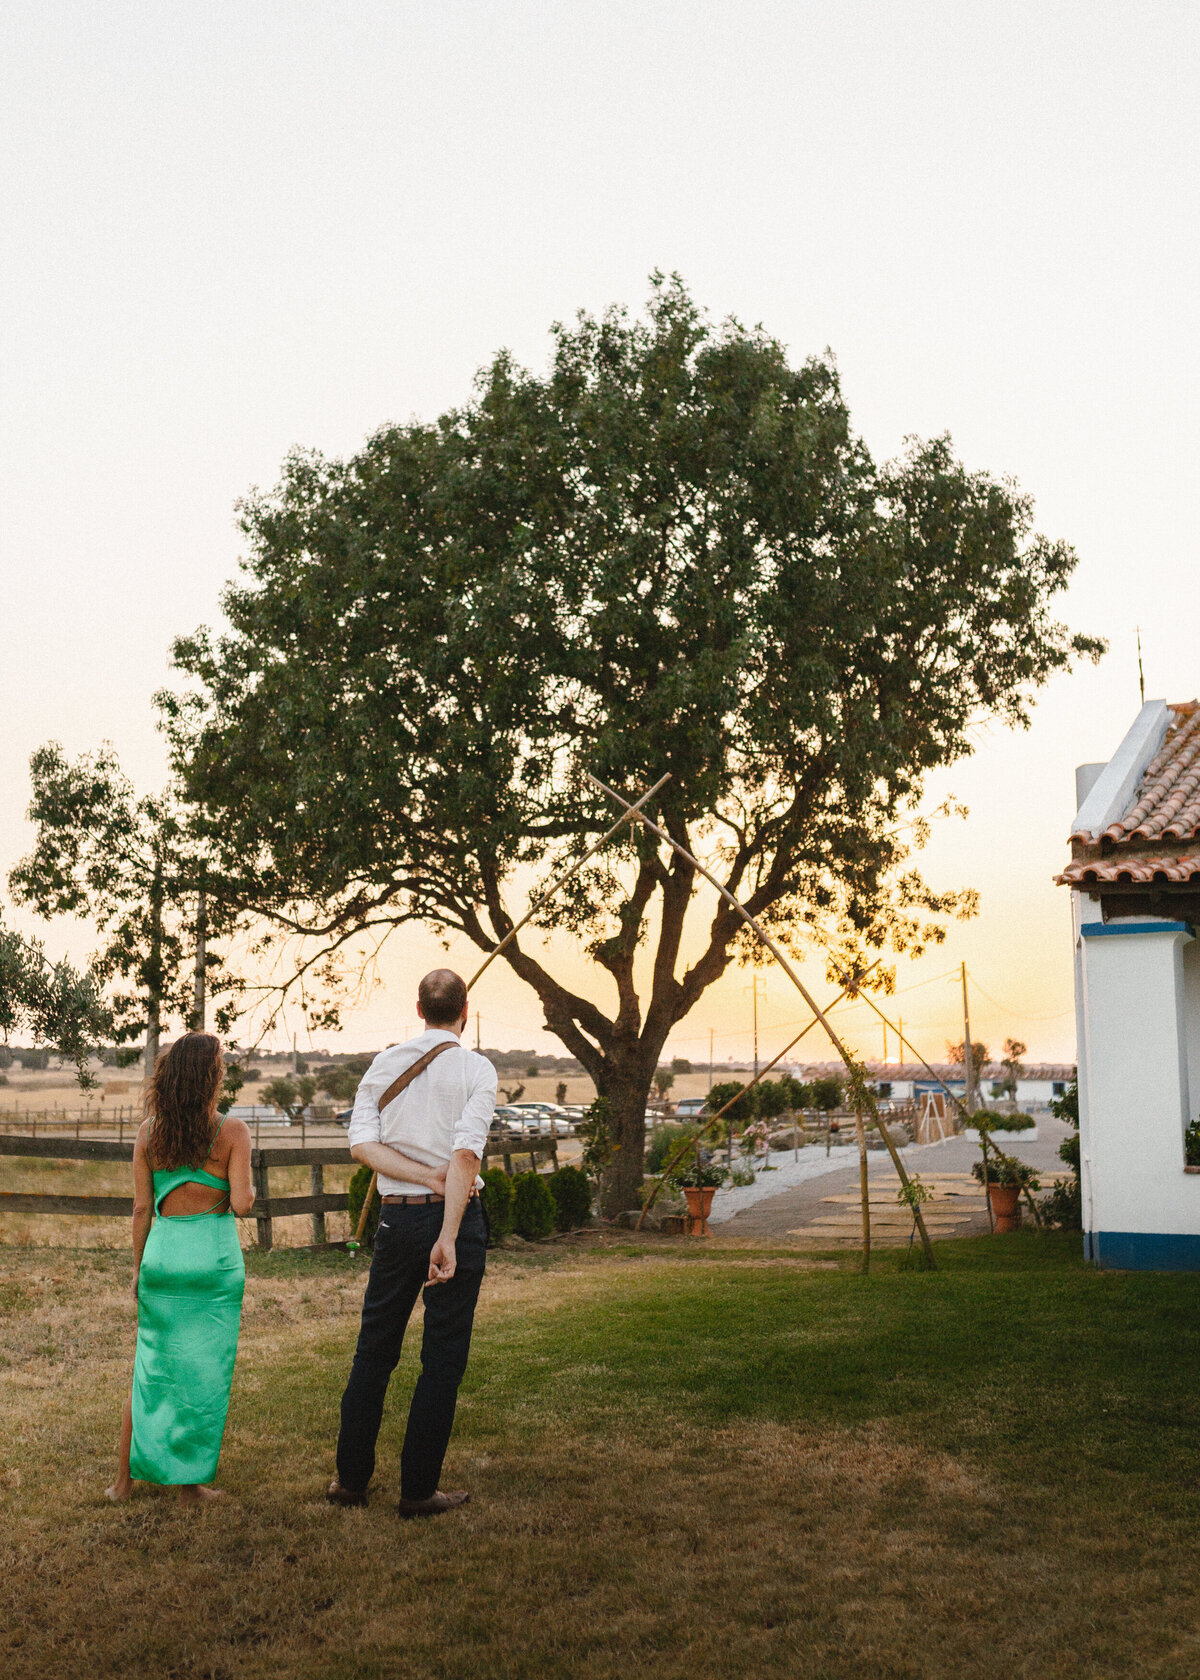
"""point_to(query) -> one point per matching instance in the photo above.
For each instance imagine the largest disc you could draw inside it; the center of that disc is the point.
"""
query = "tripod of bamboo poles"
(862, 1096)
(711, 1121)
(535, 904)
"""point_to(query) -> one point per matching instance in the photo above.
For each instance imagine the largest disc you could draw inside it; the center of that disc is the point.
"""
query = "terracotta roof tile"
(1166, 805)
(1131, 868)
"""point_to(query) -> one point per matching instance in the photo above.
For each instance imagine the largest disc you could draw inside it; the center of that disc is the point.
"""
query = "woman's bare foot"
(118, 1492)
(196, 1495)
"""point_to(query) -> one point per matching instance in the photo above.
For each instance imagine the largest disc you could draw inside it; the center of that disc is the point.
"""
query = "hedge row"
(533, 1205)
(528, 1204)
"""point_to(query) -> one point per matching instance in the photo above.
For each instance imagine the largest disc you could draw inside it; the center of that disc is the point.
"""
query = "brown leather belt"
(416, 1201)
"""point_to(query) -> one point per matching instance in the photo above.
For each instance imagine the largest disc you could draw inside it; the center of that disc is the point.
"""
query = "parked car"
(252, 1112)
(690, 1108)
(509, 1118)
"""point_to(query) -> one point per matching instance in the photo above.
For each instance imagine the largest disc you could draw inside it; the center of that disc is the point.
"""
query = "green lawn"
(703, 1460)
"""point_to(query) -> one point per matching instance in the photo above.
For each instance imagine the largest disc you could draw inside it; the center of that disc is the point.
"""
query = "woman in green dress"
(191, 1175)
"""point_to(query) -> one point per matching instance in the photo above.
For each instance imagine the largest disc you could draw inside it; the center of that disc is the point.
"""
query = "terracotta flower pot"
(1005, 1200)
(699, 1201)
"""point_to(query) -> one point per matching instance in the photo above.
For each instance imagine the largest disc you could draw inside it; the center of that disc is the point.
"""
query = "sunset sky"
(235, 228)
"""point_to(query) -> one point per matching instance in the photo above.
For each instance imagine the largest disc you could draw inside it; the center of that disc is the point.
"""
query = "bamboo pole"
(863, 1190)
(787, 968)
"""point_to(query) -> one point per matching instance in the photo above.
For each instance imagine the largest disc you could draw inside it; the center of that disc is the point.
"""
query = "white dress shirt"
(448, 1107)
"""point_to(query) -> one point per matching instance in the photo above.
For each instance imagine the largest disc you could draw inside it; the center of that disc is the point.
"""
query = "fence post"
(316, 1186)
(262, 1191)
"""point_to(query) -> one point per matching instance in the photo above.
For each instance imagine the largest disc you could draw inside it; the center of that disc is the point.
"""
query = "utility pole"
(968, 1053)
(754, 990)
(710, 1057)
(477, 1023)
(295, 1058)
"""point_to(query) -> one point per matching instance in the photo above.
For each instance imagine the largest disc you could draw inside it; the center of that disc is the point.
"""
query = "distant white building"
(1135, 894)
(1038, 1085)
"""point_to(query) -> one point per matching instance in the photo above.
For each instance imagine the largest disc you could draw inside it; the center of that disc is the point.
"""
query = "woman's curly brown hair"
(181, 1101)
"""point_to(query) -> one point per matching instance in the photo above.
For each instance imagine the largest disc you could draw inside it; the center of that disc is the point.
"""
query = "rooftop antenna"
(1141, 673)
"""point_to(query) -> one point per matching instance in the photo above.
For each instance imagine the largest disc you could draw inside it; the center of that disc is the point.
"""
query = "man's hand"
(441, 1260)
(133, 1288)
(436, 1180)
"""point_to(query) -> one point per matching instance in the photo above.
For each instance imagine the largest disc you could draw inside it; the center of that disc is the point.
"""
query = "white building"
(1135, 894)
(1038, 1083)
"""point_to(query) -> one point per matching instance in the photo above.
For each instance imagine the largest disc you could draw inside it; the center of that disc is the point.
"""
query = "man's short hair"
(443, 997)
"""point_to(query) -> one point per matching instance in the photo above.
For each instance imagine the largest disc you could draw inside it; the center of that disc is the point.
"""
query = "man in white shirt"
(421, 1120)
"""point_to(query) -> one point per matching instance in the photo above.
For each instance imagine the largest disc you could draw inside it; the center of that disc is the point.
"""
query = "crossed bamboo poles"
(863, 1096)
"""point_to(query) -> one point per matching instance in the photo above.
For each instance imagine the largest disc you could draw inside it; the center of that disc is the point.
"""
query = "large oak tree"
(670, 553)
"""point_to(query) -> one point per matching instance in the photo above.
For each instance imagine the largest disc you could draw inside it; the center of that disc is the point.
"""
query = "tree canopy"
(669, 553)
(52, 1002)
(132, 864)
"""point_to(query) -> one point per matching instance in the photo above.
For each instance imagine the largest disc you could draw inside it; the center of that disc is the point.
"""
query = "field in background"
(713, 1463)
(27, 1092)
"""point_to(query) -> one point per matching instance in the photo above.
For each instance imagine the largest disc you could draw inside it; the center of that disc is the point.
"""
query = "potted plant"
(699, 1180)
(1005, 1178)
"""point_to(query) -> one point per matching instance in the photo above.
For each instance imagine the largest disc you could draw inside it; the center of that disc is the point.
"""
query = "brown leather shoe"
(338, 1495)
(433, 1506)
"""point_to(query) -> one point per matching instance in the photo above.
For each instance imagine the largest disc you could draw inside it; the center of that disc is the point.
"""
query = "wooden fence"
(266, 1209)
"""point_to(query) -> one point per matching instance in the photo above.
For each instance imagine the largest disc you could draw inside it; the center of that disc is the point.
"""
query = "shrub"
(534, 1211)
(1191, 1145)
(665, 1142)
(725, 1092)
(1063, 1207)
(497, 1195)
(1006, 1170)
(572, 1198)
(986, 1119)
(359, 1185)
(826, 1094)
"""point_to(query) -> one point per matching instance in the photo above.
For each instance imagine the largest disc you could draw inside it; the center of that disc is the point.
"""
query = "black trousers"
(399, 1267)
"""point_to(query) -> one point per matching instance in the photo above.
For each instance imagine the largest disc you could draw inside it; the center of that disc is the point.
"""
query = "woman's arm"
(382, 1158)
(237, 1171)
(143, 1201)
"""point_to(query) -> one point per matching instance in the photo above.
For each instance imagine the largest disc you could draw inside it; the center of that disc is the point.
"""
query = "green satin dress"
(190, 1289)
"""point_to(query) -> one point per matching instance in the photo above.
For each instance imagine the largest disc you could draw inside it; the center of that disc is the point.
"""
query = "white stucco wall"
(1191, 1005)
(1135, 1048)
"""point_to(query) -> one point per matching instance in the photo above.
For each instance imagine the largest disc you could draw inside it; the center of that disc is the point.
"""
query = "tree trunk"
(200, 1005)
(625, 1083)
(153, 972)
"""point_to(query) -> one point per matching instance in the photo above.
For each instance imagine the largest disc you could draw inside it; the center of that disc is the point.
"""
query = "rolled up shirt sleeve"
(365, 1123)
(471, 1129)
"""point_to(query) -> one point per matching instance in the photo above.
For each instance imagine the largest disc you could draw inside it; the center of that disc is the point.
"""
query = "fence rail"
(266, 1208)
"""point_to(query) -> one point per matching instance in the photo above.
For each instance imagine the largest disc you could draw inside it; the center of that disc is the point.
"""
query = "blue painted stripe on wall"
(1105, 929)
(1146, 1251)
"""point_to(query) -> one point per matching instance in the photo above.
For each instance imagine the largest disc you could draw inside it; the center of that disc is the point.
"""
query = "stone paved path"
(779, 1218)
